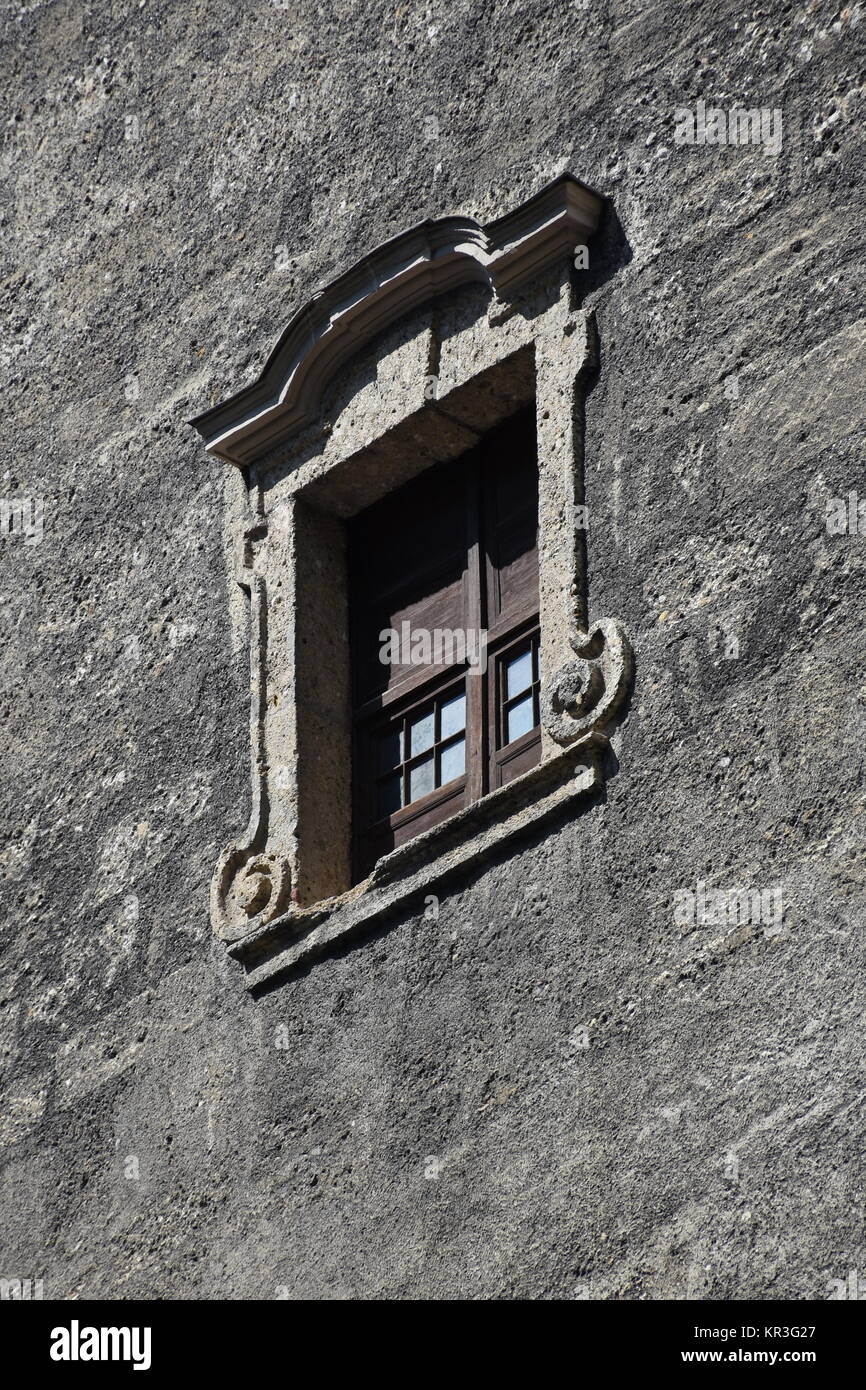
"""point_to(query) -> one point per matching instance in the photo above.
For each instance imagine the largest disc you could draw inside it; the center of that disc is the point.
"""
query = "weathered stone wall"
(556, 1089)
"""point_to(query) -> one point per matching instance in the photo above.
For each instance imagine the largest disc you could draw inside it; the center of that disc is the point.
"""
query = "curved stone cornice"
(399, 276)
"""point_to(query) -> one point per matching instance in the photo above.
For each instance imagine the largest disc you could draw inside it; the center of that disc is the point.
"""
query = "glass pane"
(389, 795)
(389, 752)
(520, 719)
(421, 734)
(518, 674)
(452, 761)
(421, 779)
(453, 716)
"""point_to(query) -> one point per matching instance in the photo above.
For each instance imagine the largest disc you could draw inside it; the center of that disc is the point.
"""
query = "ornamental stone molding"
(411, 269)
(401, 363)
(585, 694)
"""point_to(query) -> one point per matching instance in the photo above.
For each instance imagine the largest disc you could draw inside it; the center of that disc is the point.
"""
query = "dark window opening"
(443, 607)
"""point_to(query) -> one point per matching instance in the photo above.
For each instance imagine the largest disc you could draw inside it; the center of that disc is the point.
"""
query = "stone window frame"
(403, 362)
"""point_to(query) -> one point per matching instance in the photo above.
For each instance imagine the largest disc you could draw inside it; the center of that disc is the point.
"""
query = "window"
(344, 450)
(443, 612)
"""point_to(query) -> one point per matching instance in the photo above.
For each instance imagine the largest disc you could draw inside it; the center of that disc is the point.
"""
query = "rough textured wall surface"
(557, 1089)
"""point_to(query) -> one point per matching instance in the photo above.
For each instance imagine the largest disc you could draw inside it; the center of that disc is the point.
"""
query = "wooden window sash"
(487, 760)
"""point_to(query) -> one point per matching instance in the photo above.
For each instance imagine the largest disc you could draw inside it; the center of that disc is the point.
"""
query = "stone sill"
(416, 868)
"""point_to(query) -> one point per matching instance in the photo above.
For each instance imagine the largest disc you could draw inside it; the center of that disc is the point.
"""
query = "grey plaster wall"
(555, 1089)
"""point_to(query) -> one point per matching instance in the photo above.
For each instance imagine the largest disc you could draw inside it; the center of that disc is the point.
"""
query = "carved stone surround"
(401, 363)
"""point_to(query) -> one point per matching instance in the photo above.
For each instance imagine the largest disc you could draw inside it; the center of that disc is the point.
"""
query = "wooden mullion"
(404, 763)
(476, 722)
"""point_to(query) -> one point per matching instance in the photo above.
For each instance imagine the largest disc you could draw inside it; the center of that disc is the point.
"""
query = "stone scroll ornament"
(585, 693)
(249, 889)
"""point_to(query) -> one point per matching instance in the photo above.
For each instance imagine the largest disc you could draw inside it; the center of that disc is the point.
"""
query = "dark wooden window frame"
(489, 759)
(509, 758)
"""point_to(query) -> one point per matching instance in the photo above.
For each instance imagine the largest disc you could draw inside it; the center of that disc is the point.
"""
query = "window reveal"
(449, 562)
